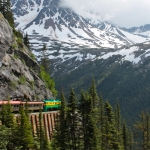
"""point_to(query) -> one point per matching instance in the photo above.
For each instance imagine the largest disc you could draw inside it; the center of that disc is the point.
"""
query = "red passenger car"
(32, 106)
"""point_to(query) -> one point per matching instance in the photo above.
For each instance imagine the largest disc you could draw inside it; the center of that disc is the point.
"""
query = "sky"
(124, 13)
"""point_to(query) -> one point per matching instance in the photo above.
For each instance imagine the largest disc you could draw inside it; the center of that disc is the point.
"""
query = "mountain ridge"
(64, 25)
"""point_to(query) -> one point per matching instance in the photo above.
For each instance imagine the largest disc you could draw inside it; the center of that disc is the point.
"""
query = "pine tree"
(5, 8)
(63, 123)
(125, 136)
(82, 110)
(93, 94)
(131, 141)
(45, 62)
(26, 41)
(5, 134)
(118, 122)
(24, 131)
(117, 117)
(143, 127)
(44, 144)
(93, 130)
(4, 114)
(110, 134)
(7, 115)
(61, 135)
(72, 121)
(100, 119)
(89, 123)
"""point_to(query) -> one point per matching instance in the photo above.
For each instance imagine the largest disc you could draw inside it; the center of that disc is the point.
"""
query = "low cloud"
(125, 13)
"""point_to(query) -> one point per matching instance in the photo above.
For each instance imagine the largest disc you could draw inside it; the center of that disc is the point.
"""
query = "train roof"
(51, 100)
(19, 102)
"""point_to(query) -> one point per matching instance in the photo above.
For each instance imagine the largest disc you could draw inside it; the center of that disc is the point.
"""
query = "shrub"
(13, 84)
(50, 84)
(22, 80)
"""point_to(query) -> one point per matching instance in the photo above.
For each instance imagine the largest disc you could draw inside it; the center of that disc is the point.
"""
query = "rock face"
(19, 72)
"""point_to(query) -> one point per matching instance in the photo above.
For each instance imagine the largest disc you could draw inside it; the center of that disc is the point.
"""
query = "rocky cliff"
(19, 71)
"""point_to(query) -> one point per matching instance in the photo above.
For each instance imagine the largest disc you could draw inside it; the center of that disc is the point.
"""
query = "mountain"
(80, 49)
(123, 74)
(46, 21)
(141, 31)
(19, 71)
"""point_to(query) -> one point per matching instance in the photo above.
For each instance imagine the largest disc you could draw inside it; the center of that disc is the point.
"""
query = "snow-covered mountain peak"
(46, 20)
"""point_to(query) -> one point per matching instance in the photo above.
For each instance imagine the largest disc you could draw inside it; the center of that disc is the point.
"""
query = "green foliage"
(5, 134)
(6, 115)
(5, 8)
(125, 136)
(42, 139)
(18, 33)
(125, 81)
(23, 61)
(15, 56)
(45, 62)
(32, 84)
(22, 80)
(143, 131)
(32, 56)
(50, 84)
(13, 84)
(24, 130)
(26, 41)
(20, 42)
(61, 135)
(14, 46)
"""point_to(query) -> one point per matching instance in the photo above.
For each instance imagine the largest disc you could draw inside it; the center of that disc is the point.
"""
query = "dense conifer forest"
(87, 123)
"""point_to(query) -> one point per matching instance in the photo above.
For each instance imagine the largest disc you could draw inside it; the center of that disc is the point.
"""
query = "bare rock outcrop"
(19, 72)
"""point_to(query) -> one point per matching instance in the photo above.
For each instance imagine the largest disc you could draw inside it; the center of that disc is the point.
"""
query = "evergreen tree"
(89, 127)
(131, 141)
(5, 134)
(7, 116)
(5, 8)
(4, 114)
(110, 134)
(118, 122)
(84, 110)
(26, 41)
(117, 117)
(24, 131)
(93, 131)
(63, 123)
(125, 136)
(143, 127)
(43, 141)
(45, 61)
(72, 121)
(93, 94)
(61, 135)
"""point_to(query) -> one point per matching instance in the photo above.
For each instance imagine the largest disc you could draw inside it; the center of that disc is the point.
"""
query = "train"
(34, 106)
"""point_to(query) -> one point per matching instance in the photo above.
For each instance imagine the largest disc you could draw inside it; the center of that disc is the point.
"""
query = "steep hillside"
(19, 71)
(122, 74)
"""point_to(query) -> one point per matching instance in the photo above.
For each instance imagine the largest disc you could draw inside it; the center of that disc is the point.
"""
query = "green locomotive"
(51, 104)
